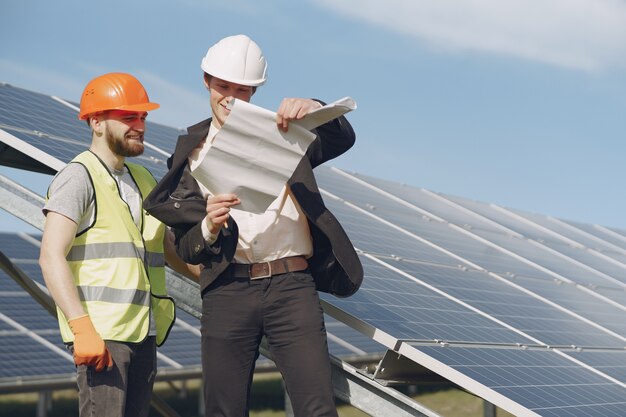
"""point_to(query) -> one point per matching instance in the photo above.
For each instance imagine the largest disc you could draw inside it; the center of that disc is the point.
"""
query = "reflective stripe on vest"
(114, 250)
(113, 295)
(104, 251)
(155, 260)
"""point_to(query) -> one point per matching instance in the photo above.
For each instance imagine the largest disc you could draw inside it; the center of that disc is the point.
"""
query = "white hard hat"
(237, 59)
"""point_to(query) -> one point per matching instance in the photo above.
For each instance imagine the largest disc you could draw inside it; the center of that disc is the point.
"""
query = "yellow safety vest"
(118, 268)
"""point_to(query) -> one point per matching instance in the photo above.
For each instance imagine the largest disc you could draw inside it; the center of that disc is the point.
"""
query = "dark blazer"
(178, 202)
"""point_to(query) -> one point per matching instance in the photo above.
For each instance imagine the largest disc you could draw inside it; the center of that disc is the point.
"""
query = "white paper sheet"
(326, 113)
(253, 159)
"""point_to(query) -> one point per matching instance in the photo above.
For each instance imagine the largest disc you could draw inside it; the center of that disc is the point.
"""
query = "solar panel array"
(528, 312)
(524, 310)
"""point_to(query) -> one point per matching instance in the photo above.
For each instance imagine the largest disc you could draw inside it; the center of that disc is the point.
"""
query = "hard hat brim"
(134, 107)
(248, 83)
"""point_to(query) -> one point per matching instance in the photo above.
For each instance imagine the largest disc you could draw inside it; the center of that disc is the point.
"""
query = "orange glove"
(89, 348)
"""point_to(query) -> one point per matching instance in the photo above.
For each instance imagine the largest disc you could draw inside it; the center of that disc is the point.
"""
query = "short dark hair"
(207, 79)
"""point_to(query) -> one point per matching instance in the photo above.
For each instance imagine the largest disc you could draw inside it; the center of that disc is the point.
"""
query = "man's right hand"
(89, 348)
(218, 209)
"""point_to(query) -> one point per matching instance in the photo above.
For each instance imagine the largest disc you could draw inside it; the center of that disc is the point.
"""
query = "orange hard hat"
(114, 91)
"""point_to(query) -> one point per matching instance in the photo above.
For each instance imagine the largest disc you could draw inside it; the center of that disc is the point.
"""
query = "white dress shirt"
(281, 231)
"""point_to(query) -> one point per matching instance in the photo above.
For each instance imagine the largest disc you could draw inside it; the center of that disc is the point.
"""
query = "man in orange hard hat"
(261, 271)
(103, 258)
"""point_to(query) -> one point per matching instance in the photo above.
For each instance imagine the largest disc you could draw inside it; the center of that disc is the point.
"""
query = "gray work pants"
(123, 391)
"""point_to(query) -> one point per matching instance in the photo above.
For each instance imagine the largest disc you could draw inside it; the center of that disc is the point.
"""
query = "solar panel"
(477, 223)
(396, 304)
(536, 293)
(544, 382)
(599, 232)
(411, 218)
(36, 121)
(524, 310)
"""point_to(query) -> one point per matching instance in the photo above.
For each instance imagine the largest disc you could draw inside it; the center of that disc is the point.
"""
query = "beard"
(120, 146)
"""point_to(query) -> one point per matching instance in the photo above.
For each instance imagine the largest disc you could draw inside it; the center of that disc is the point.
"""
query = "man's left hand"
(294, 109)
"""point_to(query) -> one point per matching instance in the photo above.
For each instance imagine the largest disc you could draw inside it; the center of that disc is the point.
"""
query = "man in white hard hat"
(261, 271)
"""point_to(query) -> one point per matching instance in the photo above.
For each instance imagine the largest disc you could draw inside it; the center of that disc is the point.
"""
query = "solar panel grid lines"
(390, 301)
(570, 356)
(465, 379)
(42, 125)
(488, 223)
(585, 303)
(496, 241)
(617, 297)
(544, 231)
(554, 247)
(490, 263)
(389, 195)
(603, 232)
(428, 215)
(611, 362)
(506, 315)
(544, 381)
(566, 240)
(582, 265)
(15, 348)
(522, 252)
(361, 229)
(39, 113)
(366, 252)
(589, 322)
(21, 141)
(597, 246)
(33, 335)
(401, 230)
(502, 298)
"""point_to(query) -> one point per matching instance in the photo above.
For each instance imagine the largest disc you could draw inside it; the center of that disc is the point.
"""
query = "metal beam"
(21, 202)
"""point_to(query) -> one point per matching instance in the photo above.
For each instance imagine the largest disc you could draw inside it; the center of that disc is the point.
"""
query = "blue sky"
(515, 102)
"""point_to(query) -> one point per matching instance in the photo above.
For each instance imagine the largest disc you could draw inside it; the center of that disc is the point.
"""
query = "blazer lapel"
(186, 143)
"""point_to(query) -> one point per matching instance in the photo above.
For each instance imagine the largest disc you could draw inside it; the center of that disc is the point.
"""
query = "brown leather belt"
(268, 269)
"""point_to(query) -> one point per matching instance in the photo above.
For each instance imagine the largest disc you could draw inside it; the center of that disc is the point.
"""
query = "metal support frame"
(489, 410)
(21, 202)
(44, 403)
(396, 369)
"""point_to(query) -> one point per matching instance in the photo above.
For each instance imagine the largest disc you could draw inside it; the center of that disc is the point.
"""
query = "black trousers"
(236, 313)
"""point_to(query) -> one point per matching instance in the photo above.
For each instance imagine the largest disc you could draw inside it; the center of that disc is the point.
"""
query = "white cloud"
(580, 34)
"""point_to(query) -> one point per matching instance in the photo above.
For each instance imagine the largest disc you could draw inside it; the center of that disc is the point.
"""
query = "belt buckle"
(269, 274)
